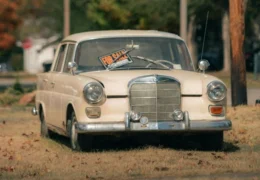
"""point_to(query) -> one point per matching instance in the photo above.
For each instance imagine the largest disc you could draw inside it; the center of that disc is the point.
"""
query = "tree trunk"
(226, 43)
(192, 45)
(238, 69)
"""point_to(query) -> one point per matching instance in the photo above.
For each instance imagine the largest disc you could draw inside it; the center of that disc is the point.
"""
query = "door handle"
(45, 80)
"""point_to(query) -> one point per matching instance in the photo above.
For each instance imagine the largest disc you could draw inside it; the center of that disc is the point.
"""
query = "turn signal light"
(93, 112)
(216, 110)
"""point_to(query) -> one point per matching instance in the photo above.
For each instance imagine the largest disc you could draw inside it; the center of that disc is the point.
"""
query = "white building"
(38, 51)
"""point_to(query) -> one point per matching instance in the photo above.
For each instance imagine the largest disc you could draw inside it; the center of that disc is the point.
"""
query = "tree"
(154, 14)
(37, 20)
(226, 43)
(252, 29)
(238, 69)
(197, 16)
(9, 21)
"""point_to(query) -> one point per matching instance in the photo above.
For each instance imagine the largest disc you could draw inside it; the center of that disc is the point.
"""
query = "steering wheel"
(161, 61)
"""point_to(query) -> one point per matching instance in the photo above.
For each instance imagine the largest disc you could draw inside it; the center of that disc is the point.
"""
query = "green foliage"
(10, 96)
(154, 14)
(87, 15)
(216, 8)
(13, 94)
(106, 14)
(7, 99)
(17, 87)
(5, 55)
(17, 62)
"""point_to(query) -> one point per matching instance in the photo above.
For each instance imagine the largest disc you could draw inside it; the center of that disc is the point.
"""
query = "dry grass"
(24, 154)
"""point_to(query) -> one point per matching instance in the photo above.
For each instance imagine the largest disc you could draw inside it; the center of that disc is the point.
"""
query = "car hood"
(116, 82)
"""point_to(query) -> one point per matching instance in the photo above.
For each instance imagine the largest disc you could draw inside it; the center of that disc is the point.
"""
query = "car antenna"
(204, 64)
(204, 37)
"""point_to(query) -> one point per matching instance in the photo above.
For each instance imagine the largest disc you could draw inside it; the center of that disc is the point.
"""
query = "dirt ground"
(25, 155)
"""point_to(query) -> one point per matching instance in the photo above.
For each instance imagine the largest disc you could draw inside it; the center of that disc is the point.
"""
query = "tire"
(78, 142)
(45, 132)
(212, 141)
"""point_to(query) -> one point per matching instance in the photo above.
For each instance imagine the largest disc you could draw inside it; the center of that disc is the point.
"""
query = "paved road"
(5, 83)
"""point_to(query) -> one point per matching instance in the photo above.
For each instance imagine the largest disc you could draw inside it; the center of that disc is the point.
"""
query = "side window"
(69, 57)
(60, 58)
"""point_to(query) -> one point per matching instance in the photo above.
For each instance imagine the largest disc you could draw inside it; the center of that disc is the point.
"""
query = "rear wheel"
(78, 142)
(212, 141)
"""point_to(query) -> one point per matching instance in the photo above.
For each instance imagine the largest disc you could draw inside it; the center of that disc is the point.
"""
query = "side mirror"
(203, 65)
(72, 66)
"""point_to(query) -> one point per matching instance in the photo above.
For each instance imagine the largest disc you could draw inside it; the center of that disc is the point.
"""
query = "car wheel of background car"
(212, 141)
(45, 132)
(79, 142)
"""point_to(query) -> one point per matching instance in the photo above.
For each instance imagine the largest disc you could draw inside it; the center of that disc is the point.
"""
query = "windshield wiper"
(124, 53)
(151, 61)
(128, 68)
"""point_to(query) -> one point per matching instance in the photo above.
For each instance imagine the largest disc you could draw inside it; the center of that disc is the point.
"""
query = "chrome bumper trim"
(185, 125)
(211, 125)
(98, 127)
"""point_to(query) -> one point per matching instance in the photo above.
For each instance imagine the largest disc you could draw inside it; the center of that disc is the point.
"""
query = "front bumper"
(185, 125)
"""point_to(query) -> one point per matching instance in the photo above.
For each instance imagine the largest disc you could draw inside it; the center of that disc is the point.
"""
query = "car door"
(63, 87)
(55, 112)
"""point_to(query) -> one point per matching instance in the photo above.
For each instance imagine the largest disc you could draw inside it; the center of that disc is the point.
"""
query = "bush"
(12, 95)
(7, 99)
(16, 59)
(17, 62)
(17, 86)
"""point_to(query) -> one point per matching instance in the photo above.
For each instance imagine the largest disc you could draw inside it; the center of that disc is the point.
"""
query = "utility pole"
(238, 67)
(66, 11)
(183, 19)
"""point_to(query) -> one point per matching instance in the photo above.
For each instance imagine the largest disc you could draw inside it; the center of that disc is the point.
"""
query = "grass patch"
(12, 95)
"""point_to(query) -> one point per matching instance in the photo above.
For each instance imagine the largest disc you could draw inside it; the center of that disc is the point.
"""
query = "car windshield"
(140, 52)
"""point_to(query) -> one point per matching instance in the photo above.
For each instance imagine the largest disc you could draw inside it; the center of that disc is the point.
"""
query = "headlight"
(93, 92)
(135, 116)
(216, 91)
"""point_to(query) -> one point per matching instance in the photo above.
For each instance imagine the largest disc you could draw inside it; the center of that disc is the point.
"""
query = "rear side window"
(69, 57)
(60, 58)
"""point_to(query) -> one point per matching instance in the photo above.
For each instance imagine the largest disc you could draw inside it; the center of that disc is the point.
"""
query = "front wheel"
(78, 142)
(45, 132)
(212, 141)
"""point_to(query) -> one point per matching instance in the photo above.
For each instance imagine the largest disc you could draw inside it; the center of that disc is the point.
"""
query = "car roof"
(118, 33)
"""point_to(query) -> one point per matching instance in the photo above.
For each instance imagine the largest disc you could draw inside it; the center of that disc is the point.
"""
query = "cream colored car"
(126, 82)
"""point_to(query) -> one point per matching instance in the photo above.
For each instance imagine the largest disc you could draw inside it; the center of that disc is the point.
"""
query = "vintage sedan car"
(128, 82)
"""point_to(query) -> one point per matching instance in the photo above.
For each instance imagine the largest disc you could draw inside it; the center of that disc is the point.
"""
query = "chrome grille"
(156, 100)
